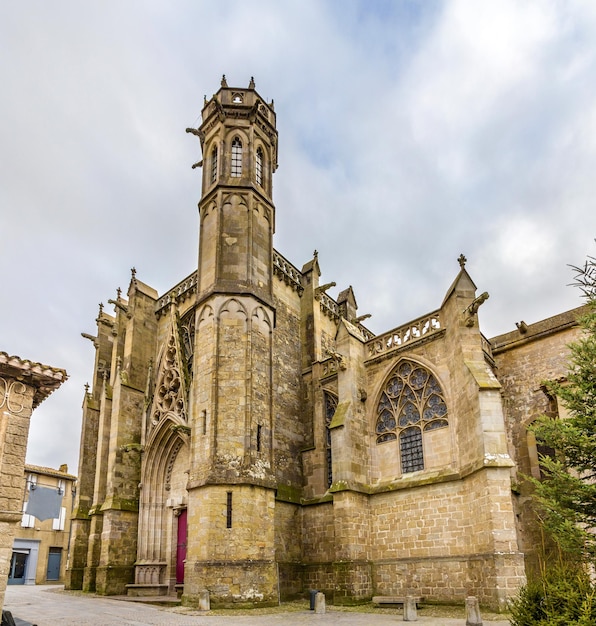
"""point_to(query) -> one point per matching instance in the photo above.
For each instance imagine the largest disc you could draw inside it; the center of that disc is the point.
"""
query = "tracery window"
(214, 164)
(236, 158)
(411, 403)
(187, 330)
(330, 407)
(259, 166)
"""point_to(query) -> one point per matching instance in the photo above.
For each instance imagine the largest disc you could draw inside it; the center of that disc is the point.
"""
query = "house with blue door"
(40, 547)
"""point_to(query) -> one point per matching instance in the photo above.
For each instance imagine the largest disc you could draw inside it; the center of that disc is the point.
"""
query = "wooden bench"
(394, 599)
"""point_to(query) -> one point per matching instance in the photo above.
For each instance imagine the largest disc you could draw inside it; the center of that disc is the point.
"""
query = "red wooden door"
(181, 547)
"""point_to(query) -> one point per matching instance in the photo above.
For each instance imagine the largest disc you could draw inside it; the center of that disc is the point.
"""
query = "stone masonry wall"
(229, 557)
(425, 541)
(16, 401)
(23, 385)
(288, 429)
(288, 548)
(523, 363)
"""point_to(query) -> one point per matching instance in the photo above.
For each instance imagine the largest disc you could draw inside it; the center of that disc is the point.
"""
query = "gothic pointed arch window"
(236, 158)
(187, 332)
(412, 404)
(213, 164)
(259, 166)
(330, 407)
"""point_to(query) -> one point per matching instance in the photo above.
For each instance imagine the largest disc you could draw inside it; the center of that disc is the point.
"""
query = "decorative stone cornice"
(43, 378)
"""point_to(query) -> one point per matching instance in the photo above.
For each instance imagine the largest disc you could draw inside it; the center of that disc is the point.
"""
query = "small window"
(259, 167)
(236, 158)
(214, 164)
(229, 510)
(58, 522)
(27, 521)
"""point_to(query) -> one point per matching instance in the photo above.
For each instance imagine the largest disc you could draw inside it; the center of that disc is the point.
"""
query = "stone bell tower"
(231, 481)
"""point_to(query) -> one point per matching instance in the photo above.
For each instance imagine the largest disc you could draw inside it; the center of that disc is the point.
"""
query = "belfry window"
(411, 404)
(259, 167)
(330, 407)
(214, 164)
(236, 158)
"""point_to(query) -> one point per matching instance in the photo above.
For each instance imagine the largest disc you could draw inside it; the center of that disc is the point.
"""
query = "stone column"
(23, 385)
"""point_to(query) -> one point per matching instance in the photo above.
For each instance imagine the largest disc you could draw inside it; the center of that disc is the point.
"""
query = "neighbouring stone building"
(24, 385)
(40, 547)
(245, 433)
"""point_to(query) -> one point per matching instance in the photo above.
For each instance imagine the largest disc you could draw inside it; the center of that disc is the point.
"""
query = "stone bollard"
(204, 601)
(410, 614)
(473, 617)
(320, 603)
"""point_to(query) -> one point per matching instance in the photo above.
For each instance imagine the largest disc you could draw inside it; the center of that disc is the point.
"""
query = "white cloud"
(409, 132)
(521, 243)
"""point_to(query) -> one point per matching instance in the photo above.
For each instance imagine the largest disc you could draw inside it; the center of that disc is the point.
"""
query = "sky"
(409, 132)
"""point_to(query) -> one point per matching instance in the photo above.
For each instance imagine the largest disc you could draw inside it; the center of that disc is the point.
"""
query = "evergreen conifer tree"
(563, 592)
(566, 496)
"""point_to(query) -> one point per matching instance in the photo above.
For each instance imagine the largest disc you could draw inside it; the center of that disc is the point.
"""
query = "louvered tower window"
(214, 164)
(259, 167)
(236, 158)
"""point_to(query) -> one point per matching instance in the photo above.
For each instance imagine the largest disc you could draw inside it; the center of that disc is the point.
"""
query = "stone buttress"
(106, 514)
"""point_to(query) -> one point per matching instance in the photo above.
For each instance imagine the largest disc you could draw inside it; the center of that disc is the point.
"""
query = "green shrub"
(561, 596)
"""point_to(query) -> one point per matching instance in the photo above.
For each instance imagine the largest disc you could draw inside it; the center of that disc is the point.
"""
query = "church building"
(246, 435)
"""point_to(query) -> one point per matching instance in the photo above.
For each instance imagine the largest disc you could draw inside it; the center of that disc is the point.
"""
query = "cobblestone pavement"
(44, 605)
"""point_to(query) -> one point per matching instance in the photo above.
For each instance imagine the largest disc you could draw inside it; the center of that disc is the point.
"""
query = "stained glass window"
(411, 403)
(410, 449)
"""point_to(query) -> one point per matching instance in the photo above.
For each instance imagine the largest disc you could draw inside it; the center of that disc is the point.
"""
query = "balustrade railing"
(180, 291)
(287, 272)
(420, 328)
(329, 306)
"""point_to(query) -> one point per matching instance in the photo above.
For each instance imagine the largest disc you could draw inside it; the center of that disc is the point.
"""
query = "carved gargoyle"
(92, 339)
(471, 310)
(338, 358)
(323, 288)
(201, 135)
(133, 447)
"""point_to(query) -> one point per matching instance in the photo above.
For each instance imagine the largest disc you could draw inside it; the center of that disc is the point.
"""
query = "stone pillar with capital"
(23, 386)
